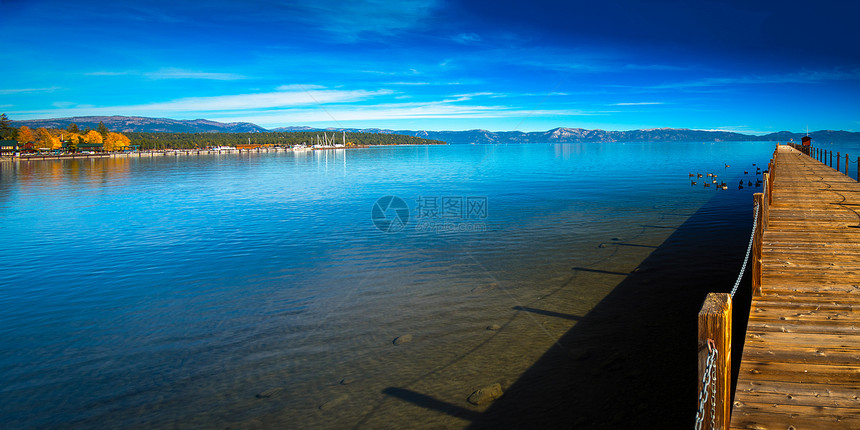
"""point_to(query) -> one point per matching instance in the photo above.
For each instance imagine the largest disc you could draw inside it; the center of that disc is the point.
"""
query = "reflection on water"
(253, 290)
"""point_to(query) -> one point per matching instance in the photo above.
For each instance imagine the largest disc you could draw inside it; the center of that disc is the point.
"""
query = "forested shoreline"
(72, 137)
(287, 138)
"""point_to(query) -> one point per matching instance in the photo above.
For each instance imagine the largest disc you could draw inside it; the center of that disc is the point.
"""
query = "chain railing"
(715, 321)
(747, 257)
(709, 388)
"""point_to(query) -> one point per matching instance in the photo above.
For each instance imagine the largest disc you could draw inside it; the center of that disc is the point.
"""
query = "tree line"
(70, 138)
(161, 140)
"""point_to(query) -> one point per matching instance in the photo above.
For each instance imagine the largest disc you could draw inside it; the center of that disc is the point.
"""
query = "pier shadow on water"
(631, 361)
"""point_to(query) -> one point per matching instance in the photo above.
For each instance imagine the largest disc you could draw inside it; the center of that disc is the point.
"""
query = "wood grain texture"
(801, 359)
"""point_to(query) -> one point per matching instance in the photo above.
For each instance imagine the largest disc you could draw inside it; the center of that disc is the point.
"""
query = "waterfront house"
(9, 148)
(90, 147)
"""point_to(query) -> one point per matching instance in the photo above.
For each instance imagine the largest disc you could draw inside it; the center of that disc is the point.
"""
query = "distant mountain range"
(561, 134)
(123, 124)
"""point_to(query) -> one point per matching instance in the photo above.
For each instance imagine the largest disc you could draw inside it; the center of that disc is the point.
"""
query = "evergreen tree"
(73, 128)
(7, 132)
(103, 130)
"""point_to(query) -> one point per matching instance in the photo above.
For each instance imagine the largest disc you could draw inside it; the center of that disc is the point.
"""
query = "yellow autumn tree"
(25, 135)
(115, 141)
(62, 136)
(93, 136)
(71, 137)
(46, 140)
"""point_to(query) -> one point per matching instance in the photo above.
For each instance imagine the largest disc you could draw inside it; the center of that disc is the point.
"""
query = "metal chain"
(749, 248)
(707, 379)
(713, 393)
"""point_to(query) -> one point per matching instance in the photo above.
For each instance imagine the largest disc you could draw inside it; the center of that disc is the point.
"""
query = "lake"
(261, 290)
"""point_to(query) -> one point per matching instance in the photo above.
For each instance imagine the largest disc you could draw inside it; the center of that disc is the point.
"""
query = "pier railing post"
(715, 323)
(756, 248)
(837, 161)
(768, 199)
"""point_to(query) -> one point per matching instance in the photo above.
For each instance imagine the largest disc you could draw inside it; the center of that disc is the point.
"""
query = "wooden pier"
(801, 356)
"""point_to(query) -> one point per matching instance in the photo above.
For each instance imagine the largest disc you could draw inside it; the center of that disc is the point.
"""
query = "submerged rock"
(334, 402)
(347, 381)
(486, 395)
(271, 392)
(494, 327)
(399, 340)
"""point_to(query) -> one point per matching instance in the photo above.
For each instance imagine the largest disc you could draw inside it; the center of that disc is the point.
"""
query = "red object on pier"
(806, 141)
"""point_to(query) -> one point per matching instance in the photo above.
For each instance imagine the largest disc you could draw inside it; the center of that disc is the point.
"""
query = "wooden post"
(715, 322)
(846, 164)
(831, 158)
(758, 198)
(837, 161)
(767, 198)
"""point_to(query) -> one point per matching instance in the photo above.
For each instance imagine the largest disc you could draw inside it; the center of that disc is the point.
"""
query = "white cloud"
(637, 104)
(472, 95)
(28, 90)
(172, 73)
(407, 83)
(191, 74)
(299, 87)
(393, 111)
(232, 103)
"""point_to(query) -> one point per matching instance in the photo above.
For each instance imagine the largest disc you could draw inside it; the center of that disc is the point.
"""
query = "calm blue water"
(242, 289)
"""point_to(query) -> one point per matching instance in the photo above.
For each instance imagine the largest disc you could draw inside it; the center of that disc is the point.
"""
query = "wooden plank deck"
(801, 360)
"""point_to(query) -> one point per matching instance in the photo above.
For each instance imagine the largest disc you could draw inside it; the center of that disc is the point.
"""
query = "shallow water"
(173, 291)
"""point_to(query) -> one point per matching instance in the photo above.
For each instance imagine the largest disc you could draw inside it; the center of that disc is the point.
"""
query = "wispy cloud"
(637, 104)
(191, 74)
(28, 90)
(469, 96)
(444, 109)
(353, 21)
(809, 77)
(110, 73)
(223, 104)
(466, 38)
(299, 87)
(172, 73)
(656, 67)
(407, 83)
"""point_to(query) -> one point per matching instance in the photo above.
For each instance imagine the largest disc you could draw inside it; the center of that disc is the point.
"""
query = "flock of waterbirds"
(709, 179)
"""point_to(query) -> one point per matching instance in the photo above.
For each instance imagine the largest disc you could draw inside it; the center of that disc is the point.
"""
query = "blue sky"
(748, 66)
